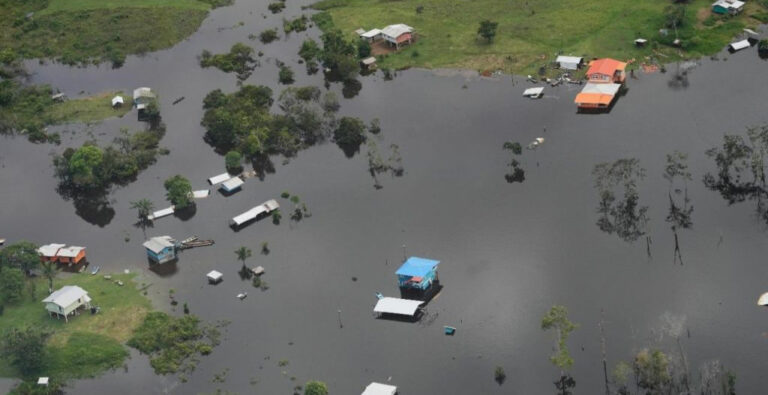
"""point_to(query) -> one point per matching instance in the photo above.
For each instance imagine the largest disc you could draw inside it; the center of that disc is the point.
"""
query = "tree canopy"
(315, 388)
(11, 285)
(21, 255)
(179, 191)
(487, 29)
(25, 348)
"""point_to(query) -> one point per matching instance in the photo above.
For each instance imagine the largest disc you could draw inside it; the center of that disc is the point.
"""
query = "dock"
(264, 208)
(194, 241)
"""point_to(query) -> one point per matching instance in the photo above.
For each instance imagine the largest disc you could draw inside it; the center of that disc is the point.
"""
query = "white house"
(66, 301)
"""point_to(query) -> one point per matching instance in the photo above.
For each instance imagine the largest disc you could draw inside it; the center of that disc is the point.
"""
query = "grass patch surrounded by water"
(82, 31)
(87, 344)
(531, 33)
(88, 109)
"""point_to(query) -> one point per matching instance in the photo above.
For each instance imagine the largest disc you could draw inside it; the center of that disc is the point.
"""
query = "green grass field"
(89, 109)
(87, 344)
(83, 31)
(531, 33)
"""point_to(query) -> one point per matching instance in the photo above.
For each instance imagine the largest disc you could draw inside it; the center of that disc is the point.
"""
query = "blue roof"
(417, 267)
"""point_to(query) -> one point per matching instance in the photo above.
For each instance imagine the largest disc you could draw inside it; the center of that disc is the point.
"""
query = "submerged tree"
(680, 209)
(179, 192)
(516, 173)
(624, 216)
(243, 253)
(143, 208)
(557, 319)
(377, 164)
(741, 170)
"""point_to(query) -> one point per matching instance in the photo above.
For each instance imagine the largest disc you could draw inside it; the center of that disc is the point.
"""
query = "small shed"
(640, 42)
(397, 306)
(65, 301)
(739, 45)
(219, 178)
(569, 62)
(201, 194)
(371, 35)
(117, 102)
(161, 249)
(534, 93)
(232, 185)
(379, 389)
(731, 7)
(43, 381)
(214, 277)
(368, 63)
(258, 270)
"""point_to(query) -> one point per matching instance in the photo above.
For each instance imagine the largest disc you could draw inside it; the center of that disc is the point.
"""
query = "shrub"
(233, 161)
(286, 75)
(269, 35)
(276, 6)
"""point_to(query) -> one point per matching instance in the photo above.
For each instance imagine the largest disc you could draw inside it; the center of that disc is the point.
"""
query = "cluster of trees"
(239, 60)
(17, 261)
(24, 348)
(242, 122)
(93, 168)
(295, 25)
(338, 56)
(23, 109)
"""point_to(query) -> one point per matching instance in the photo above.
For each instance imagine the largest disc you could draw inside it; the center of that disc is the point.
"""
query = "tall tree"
(557, 319)
(143, 207)
(11, 285)
(179, 191)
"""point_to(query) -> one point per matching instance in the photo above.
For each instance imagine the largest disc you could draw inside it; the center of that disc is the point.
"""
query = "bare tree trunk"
(602, 347)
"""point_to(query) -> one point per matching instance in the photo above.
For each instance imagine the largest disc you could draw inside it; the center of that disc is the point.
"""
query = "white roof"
(42, 381)
(50, 250)
(161, 213)
(157, 244)
(379, 389)
(202, 193)
(739, 45)
(396, 30)
(763, 301)
(369, 60)
(360, 31)
(397, 306)
(214, 275)
(142, 92)
(66, 295)
(232, 183)
(533, 91)
(641, 40)
(265, 207)
(371, 33)
(569, 59)
(117, 99)
(220, 178)
(70, 252)
(141, 106)
(735, 4)
(604, 89)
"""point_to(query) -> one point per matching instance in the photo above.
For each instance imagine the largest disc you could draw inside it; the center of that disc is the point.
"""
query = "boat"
(2, 241)
(379, 295)
(95, 270)
(449, 330)
(242, 296)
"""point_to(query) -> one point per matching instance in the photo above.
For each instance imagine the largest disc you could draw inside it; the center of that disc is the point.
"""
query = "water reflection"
(679, 216)
(624, 216)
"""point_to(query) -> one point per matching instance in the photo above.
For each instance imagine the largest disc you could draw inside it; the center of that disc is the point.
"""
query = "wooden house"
(597, 96)
(71, 255)
(48, 252)
(398, 35)
(606, 71)
(161, 249)
(65, 301)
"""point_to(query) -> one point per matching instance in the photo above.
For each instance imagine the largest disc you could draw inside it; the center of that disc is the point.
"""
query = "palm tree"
(144, 207)
(243, 253)
(49, 271)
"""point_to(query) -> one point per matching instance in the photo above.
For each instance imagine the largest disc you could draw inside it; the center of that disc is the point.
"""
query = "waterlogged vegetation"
(529, 33)
(174, 344)
(73, 32)
(680, 207)
(239, 60)
(516, 172)
(619, 208)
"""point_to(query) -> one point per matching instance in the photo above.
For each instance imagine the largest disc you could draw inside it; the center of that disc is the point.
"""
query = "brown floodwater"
(508, 251)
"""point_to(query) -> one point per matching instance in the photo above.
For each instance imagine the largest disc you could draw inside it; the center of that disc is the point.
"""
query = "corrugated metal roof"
(161, 213)
(606, 89)
(50, 250)
(158, 244)
(70, 252)
(739, 45)
(232, 184)
(265, 207)
(533, 92)
(371, 33)
(417, 267)
(219, 178)
(395, 31)
(605, 66)
(397, 306)
(66, 296)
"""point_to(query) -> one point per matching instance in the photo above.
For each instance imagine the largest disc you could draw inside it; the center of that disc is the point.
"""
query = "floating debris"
(177, 101)
(535, 143)
(95, 270)
(242, 296)
(534, 93)
(449, 330)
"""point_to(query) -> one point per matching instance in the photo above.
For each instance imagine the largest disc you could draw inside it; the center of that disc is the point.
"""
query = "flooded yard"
(509, 251)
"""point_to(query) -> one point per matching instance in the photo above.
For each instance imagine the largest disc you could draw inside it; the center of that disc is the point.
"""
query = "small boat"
(242, 296)
(95, 270)
(120, 283)
(177, 101)
(379, 295)
(449, 330)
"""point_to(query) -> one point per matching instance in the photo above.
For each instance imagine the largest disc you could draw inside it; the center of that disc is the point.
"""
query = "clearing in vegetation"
(531, 33)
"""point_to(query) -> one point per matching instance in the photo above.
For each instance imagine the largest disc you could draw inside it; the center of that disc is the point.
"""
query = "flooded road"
(508, 251)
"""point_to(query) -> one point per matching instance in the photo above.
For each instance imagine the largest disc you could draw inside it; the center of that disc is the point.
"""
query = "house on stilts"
(418, 279)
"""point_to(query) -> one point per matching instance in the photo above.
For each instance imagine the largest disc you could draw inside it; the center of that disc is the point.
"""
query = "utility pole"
(340, 324)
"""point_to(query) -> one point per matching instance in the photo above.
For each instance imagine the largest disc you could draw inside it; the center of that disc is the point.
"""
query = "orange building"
(59, 253)
(606, 70)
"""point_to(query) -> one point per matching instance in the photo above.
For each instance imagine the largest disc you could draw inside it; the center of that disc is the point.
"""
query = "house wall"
(163, 256)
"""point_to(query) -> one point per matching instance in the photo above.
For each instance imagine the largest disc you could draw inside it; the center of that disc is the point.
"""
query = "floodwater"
(508, 251)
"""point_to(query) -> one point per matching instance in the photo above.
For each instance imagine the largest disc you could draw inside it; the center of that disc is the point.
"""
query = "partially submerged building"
(65, 301)
(379, 389)
(232, 185)
(60, 253)
(731, 7)
(161, 249)
(604, 79)
(596, 95)
(405, 308)
(250, 215)
(418, 279)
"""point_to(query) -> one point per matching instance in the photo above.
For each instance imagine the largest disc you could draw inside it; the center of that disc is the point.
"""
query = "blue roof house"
(161, 249)
(417, 276)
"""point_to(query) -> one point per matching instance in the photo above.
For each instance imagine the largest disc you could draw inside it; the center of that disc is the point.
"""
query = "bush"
(351, 131)
(179, 191)
(269, 35)
(499, 375)
(276, 6)
(295, 25)
(233, 161)
(363, 49)
(315, 388)
(11, 285)
(25, 348)
(286, 75)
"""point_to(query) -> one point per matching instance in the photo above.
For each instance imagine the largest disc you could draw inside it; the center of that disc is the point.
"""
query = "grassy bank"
(88, 109)
(80, 31)
(87, 344)
(530, 33)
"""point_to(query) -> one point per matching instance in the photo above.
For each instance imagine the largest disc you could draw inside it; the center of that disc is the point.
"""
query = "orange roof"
(593, 98)
(605, 66)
